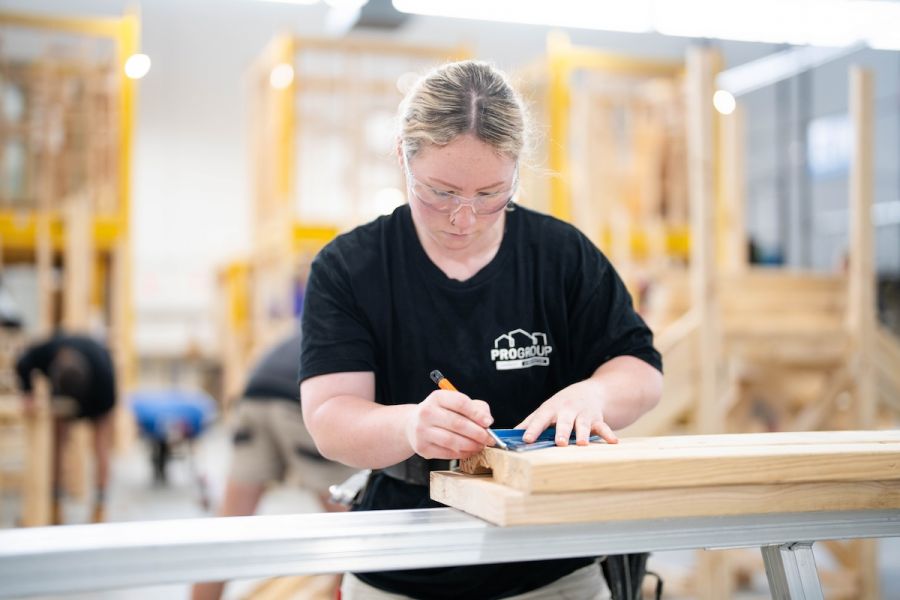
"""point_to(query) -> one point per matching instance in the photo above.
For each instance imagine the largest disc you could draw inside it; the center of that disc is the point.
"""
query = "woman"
(519, 310)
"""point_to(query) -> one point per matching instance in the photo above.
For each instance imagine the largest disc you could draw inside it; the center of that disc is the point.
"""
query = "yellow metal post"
(128, 40)
(558, 47)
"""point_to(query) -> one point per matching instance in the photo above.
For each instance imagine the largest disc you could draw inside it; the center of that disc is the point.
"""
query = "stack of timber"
(786, 358)
(679, 476)
(752, 349)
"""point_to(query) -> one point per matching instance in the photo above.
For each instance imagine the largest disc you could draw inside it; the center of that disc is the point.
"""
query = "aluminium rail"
(52, 560)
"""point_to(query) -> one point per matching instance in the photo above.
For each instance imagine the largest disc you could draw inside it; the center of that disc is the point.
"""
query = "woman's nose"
(461, 217)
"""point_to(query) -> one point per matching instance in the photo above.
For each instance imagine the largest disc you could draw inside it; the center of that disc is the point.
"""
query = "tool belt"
(416, 470)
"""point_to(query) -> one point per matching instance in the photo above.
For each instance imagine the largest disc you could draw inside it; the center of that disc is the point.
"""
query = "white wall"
(191, 183)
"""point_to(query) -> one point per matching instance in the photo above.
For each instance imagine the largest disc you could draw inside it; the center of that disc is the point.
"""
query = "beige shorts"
(271, 443)
(586, 583)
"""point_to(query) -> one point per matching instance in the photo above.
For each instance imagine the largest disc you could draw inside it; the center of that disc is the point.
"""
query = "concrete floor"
(134, 496)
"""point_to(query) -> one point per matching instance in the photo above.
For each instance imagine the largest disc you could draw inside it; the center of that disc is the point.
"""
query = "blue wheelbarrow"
(171, 418)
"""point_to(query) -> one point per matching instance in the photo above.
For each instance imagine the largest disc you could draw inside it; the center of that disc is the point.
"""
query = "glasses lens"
(447, 202)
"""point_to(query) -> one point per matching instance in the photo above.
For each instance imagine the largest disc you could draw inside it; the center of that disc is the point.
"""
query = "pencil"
(442, 382)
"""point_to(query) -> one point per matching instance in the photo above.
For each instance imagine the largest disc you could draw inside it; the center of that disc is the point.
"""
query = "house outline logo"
(519, 349)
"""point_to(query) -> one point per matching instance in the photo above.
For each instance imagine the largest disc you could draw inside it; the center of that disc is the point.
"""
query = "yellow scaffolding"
(85, 226)
(581, 95)
(317, 108)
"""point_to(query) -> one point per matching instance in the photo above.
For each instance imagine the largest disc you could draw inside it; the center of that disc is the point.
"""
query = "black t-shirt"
(543, 314)
(99, 396)
(274, 377)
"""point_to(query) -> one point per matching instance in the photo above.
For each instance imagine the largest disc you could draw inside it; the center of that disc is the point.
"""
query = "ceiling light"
(724, 102)
(828, 23)
(282, 76)
(292, 1)
(346, 3)
(633, 16)
(137, 66)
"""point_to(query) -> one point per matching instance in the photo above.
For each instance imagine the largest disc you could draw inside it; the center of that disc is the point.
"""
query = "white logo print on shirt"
(519, 349)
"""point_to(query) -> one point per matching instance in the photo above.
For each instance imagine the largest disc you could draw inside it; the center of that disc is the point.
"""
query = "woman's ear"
(398, 150)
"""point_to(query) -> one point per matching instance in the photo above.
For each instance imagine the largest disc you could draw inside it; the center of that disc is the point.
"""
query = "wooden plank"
(867, 574)
(78, 263)
(307, 587)
(861, 310)
(714, 575)
(680, 360)
(36, 488)
(815, 414)
(785, 279)
(76, 460)
(733, 246)
(680, 332)
(748, 299)
(779, 438)
(796, 348)
(887, 357)
(708, 416)
(860, 558)
(483, 497)
(772, 321)
(698, 460)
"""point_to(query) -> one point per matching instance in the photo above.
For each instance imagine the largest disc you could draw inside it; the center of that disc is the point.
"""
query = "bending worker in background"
(518, 309)
(271, 444)
(83, 386)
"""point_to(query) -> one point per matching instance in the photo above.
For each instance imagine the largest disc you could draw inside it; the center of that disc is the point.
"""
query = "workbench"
(53, 560)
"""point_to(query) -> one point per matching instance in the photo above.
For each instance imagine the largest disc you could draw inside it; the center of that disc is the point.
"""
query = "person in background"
(82, 386)
(271, 444)
(519, 310)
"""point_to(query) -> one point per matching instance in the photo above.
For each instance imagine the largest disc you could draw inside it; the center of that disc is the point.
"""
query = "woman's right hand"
(449, 425)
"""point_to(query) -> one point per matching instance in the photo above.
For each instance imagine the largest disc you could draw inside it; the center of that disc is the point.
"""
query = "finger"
(483, 409)
(538, 422)
(434, 417)
(458, 442)
(524, 424)
(462, 404)
(436, 451)
(462, 425)
(605, 432)
(582, 430)
(564, 423)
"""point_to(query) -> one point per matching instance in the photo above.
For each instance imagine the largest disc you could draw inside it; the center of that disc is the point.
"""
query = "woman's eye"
(442, 195)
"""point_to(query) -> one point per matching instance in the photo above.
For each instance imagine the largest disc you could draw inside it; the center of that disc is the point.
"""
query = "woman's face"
(467, 168)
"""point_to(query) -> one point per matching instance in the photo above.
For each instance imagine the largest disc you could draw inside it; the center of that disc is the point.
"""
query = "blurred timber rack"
(614, 146)
(638, 159)
(66, 121)
(752, 349)
(321, 149)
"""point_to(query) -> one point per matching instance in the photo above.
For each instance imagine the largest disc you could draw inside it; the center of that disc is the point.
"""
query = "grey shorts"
(586, 583)
(271, 443)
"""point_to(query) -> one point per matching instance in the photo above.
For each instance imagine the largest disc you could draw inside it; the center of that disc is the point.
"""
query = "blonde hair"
(466, 97)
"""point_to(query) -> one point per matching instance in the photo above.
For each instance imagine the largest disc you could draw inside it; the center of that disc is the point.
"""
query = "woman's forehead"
(464, 155)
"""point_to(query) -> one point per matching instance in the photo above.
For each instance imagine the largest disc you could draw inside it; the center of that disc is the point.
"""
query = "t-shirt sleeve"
(604, 317)
(336, 335)
(36, 357)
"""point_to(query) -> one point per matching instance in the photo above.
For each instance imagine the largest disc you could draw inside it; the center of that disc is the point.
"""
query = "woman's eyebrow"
(456, 187)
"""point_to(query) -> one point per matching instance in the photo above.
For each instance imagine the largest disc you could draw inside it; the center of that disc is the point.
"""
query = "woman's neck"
(464, 263)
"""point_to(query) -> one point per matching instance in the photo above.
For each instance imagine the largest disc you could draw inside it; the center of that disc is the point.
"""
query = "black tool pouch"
(625, 573)
(416, 470)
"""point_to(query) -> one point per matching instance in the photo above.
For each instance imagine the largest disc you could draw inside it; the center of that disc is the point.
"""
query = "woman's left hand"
(579, 406)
